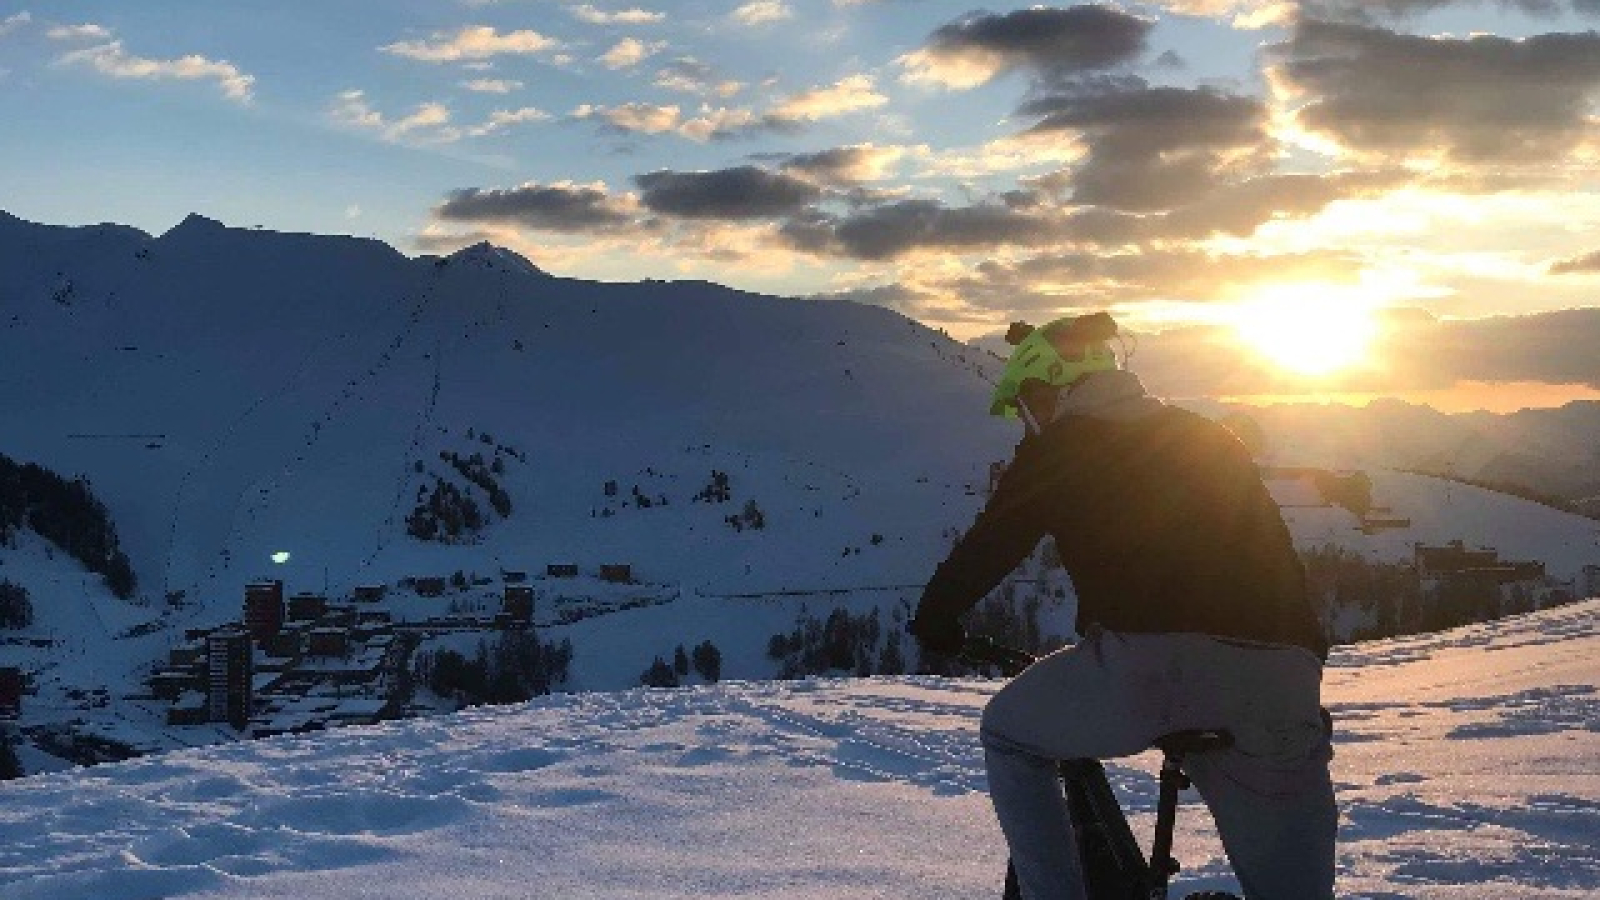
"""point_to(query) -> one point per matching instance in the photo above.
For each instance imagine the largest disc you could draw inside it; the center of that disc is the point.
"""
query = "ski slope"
(1466, 765)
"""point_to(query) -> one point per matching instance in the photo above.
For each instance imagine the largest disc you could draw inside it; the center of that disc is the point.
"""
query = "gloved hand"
(938, 634)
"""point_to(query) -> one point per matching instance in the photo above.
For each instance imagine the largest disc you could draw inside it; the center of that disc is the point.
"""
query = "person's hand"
(939, 635)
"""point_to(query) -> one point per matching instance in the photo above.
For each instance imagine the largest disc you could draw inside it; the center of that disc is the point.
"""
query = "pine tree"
(10, 765)
(659, 675)
(708, 661)
(15, 609)
(680, 662)
(891, 661)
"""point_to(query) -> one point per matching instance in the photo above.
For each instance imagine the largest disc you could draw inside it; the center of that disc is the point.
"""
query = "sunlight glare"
(1311, 330)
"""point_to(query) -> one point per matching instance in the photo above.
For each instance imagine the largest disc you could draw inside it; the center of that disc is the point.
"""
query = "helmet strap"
(1028, 420)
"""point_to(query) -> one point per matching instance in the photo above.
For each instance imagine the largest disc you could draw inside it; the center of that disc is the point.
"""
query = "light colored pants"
(1113, 695)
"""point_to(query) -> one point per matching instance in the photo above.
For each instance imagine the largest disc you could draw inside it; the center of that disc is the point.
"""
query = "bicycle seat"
(1196, 740)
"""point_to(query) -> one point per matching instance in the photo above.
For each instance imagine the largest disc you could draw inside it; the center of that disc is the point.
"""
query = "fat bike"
(1114, 866)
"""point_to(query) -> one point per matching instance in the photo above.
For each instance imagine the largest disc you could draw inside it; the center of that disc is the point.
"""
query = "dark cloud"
(1155, 148)
(743, 192)
(1588, 262)
(1554, 348)
(1045, 284)
(1376, 10)
(1023, 219)
(1128, 116)
(1239, 209)
(891, 230)
(1050, 42)
(552, 207)
(1187, 273)
(843, 165)
(1478, 100)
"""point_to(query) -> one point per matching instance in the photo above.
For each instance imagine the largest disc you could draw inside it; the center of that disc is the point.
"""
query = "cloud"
(707, 124)
(1368, 11)
(113, 60)
(635, 16)
(719, 123)
(1008, 153)
(743, 192)
(492, 85)
(846, 165)
(1155, 148)
(1482, 100)
(761, 12)
(474, 42)
(636, 118)
(1138, 276)
(501, 119)
(15, 22)
(1588, 262)
(1023, 219)
(429, 123)
(1048, 42)
(891, 230)
(691, 76)
(88, 31)
(562, 207)
(850, 94)
(1553, 348)
(629, 52)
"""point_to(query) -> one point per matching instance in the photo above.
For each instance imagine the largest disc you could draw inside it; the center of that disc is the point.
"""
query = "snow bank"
(1465, 764)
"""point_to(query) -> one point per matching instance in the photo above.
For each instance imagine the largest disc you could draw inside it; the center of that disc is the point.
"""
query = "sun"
(1309, 330)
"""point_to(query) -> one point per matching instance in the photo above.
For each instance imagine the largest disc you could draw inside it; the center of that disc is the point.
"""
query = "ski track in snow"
(1476, 777)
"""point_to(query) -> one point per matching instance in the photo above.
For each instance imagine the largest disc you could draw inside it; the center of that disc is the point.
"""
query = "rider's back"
(1165, 526)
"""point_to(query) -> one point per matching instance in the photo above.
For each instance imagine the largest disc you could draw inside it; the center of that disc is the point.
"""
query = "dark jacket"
(1161, 520)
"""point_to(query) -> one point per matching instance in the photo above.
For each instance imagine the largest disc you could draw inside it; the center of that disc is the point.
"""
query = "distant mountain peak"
(487, 254)
(196, 223)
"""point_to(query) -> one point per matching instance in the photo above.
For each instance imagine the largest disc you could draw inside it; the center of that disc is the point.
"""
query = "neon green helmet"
(1057, 354)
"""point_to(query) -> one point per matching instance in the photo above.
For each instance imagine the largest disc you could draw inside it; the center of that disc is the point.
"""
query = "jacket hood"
(1117, 395)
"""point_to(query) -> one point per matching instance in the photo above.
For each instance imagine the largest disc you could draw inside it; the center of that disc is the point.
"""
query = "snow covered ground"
(1467, 766)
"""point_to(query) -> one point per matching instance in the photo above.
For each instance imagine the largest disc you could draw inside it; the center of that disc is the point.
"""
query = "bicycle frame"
(1113, 864)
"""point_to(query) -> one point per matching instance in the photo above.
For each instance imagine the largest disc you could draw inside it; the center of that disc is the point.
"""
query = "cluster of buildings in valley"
(1470, 584)
(302, 663)
(1456, 565)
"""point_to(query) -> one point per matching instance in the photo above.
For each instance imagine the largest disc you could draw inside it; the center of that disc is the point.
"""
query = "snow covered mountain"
(1464, 767)
(1555, 452)
(232, 394)
(253, 404)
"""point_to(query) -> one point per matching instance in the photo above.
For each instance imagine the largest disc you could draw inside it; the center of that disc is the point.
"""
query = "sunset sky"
(1192, 162)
